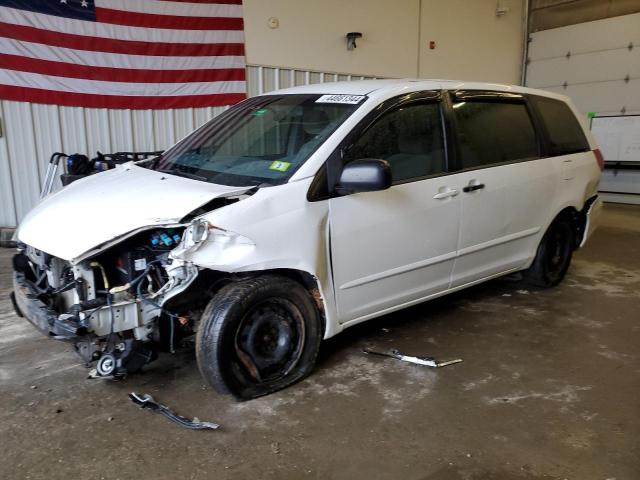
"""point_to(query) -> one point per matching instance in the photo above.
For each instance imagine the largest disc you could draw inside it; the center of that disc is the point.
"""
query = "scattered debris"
(147, 401)
(33, 387)
(385, 330)
(93, 375)
(523, 292)
(110, 419)
(275, 447)
(506, 294)
(425, 361)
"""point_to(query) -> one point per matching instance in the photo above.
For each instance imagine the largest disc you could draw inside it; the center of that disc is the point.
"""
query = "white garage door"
(597, 64)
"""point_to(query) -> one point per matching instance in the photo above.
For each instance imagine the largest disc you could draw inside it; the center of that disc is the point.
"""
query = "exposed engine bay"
(118, 308)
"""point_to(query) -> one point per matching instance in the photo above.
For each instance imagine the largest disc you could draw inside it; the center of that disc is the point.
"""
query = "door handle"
(471, 188)
(446, 193)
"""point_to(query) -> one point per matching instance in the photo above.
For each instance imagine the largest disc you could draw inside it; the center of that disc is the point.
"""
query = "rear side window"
(492, 132)
(563, 129)
(409, 137)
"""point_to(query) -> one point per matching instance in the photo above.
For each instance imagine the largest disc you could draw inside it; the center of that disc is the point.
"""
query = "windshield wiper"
(180, 173)
(150, 163)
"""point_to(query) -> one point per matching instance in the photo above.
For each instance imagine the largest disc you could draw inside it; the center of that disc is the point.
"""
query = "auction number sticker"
(348, 99)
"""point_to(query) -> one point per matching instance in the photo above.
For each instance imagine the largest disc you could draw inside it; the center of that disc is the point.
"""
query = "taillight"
(599, 158)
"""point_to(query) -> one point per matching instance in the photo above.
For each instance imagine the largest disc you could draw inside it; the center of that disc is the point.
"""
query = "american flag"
(147, 54)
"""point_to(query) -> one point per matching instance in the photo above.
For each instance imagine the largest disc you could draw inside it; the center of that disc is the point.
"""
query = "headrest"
(314, 121)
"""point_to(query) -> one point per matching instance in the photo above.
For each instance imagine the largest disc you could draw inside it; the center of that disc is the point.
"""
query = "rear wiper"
(182, 174)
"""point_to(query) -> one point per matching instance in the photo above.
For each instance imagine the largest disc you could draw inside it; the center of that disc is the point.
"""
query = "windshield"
(262, 140)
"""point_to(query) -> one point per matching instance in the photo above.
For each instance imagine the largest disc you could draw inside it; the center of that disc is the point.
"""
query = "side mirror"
(364, 175)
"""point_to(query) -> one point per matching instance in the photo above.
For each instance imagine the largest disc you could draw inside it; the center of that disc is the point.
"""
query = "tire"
(257, 336)
(553, 256)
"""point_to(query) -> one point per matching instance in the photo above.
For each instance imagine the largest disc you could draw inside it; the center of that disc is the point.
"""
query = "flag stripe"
(226, 2)
(152, 20)
(79, 85)
(108, 45)
(118, 32)
(36, 95)
(70, 70)
(116, 60)
(172, 8)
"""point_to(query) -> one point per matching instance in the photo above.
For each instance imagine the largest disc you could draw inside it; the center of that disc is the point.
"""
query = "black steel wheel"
(257, 336)
(554, 254)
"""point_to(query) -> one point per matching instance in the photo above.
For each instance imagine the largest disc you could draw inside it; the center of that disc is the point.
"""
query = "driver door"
(395, 247)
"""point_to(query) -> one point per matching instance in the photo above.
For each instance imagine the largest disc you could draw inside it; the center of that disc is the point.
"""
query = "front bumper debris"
(27, 304)
(147, 401)
(424, 361)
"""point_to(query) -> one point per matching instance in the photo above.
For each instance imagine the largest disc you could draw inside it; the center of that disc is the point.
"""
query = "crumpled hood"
(107, 205)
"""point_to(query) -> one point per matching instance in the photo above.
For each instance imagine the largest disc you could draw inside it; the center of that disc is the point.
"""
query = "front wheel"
(257, 336)
(554, 254)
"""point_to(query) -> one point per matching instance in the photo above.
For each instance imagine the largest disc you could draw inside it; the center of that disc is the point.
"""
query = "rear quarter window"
(564, 133)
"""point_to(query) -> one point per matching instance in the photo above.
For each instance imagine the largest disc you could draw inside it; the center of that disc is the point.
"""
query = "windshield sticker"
(348, 99)
(279, 166)
(259, 113)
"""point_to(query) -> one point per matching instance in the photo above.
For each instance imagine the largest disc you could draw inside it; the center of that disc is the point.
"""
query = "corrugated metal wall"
(30, 133)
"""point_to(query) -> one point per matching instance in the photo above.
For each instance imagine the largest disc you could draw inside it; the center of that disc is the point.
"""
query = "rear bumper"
(27, 305)
(592, 220)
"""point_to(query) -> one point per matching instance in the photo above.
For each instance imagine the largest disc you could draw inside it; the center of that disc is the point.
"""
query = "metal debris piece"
(425, 361)
(147, 401)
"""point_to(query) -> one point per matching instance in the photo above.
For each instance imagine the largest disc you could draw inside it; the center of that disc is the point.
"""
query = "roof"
(365, 87)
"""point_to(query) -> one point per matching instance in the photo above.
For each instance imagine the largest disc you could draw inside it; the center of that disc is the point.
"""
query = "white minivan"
(297, 214)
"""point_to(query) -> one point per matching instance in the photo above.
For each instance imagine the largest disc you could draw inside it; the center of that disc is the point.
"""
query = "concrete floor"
(549, 389)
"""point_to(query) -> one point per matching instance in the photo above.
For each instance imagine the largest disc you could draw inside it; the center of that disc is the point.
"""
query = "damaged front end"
(119, 307)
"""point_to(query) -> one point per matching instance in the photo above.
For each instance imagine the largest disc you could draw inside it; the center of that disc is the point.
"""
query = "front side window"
(262, 140)
(409, 137)
(492, 132)
(563, 129)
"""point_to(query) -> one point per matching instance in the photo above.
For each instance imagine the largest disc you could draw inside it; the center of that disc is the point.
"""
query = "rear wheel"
(257, 336)
(554, 254)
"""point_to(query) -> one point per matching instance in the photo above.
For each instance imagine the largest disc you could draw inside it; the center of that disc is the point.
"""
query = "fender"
(276, 229)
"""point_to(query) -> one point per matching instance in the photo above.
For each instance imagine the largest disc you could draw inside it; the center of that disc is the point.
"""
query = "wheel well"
(578, 220)
(309, 282)
(570, 213)
(210, 281)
